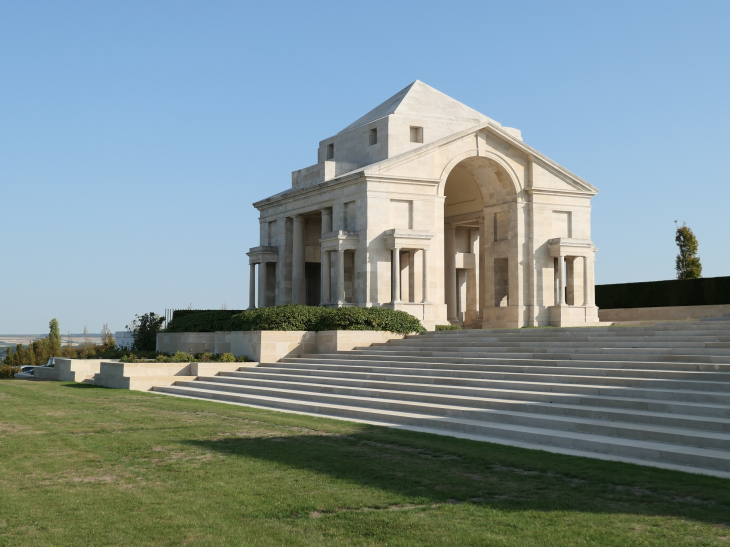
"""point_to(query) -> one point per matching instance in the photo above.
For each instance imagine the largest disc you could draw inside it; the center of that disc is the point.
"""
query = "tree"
(55, 331)
(688, 263)
(107, 340)
(8, 356)
(144, 331)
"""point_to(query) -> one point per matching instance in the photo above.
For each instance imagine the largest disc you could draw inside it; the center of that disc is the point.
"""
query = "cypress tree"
(55, 331)
(687, 263)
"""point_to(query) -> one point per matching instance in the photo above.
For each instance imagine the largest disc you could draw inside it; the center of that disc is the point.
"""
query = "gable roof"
(420, 100)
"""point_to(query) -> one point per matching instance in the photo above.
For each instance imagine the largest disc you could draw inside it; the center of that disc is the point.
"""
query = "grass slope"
(81, 465)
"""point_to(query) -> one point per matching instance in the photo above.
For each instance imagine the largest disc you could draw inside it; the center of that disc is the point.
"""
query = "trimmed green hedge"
(705, 291)
(179, 314)
(448, 327)
(296, 317)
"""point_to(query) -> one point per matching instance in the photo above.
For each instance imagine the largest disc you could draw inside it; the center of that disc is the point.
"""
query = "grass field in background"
(83, 465)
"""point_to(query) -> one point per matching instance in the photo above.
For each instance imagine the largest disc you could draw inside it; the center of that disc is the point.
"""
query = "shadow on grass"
(79, 385)
(433, 469)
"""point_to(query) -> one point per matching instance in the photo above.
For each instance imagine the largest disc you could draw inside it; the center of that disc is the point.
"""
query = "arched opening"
(479, 243)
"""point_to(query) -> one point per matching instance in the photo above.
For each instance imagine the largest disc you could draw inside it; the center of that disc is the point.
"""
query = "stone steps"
(535, 367)
(465, 398)
(480, 389)
(427, 361)
(656, 395)
(561, 348)
(565, 354)
(697, 459)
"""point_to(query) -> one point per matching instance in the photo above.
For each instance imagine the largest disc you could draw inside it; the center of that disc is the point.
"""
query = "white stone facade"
(426, 205)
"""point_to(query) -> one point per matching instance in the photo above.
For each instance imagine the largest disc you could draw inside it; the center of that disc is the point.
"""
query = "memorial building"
(428, 206)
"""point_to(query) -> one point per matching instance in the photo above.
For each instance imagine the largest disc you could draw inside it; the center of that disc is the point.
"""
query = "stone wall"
(669, 313)
(270, 346)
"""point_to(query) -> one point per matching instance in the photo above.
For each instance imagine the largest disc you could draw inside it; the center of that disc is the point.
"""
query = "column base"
(574, 316)
(501, 317)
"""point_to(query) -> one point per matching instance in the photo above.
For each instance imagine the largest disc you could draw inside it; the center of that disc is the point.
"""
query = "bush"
(448, 327)
(295, 317)
(659, 294)
(182, 357)
(179, 314)
(203, 321)
(7, 371)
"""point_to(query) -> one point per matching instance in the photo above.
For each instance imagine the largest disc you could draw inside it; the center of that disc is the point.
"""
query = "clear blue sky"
(134, 135)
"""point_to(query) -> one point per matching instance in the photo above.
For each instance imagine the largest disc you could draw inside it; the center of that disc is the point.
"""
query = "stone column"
(325, 297)
(561, 280)
(395, 277)
(340, 276)
(587, 281)
(262, 284)
(450, 271)
(252, 287)
(424, 300)
(297, 276)
(326, 284)
(482, 265)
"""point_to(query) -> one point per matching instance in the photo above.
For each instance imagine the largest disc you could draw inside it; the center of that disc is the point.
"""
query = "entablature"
(340, 240)
(568, 246)
(400, 238)
(263, 254)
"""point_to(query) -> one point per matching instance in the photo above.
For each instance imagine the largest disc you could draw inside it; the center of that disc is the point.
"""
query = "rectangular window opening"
(416, 134)
(331, 151)
(373, 136)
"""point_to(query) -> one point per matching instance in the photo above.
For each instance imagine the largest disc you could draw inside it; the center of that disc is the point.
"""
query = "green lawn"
(81, 465)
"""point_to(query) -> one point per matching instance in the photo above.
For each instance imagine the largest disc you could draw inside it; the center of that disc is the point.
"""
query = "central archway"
(480, 243)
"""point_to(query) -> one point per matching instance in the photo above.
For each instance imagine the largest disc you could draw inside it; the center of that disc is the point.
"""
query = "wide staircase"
(656, 395)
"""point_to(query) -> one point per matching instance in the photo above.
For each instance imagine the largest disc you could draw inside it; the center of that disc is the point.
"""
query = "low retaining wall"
(143, 376)
(78, 370)
(45, 373)
(669, 313)
(270, 346)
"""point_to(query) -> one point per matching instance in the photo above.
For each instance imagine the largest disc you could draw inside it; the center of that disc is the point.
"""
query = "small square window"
(331, 151)
(373, 137)
(416, 134)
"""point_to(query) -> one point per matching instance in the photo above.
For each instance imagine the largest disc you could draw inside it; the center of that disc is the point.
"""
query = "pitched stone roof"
(419, 100)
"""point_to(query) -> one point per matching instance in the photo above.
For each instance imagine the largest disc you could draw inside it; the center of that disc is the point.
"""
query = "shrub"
(448, 327)
(296, 317)
(204, 321)
(227, 358)
(179, 314)
(7, 371)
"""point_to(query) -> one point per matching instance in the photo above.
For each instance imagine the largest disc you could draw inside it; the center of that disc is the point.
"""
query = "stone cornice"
(557, 192)
(527, 149)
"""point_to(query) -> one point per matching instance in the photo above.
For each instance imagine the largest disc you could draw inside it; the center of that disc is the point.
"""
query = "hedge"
(295, 317)
(179, 314)
(705, 291)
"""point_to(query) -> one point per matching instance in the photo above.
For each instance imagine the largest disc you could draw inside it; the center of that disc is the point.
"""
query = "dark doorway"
(313, 279)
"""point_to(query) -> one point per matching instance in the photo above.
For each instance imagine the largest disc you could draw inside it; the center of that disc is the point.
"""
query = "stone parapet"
(270, 346)
(668, 313)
